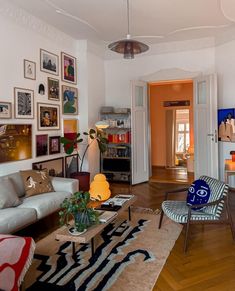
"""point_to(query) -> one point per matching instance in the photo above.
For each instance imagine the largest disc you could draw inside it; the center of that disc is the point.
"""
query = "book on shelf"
(105, 216)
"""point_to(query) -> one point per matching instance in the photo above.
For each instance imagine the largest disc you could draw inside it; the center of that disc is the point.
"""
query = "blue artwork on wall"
(226, 124)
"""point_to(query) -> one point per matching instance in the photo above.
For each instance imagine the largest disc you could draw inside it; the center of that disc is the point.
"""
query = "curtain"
(170, 138)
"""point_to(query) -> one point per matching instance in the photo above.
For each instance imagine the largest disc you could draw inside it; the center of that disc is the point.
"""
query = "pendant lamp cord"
(128, 17)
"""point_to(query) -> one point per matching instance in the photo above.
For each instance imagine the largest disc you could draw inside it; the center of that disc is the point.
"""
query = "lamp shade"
(128, 47)
(102, 124)
(99, 188)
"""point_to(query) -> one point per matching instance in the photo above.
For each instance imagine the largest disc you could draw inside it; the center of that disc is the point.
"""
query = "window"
(182, 131)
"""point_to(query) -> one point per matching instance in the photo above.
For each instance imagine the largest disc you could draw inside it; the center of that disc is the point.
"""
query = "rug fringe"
(28, 262)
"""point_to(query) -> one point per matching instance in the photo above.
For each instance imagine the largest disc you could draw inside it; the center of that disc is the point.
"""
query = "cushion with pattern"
(36, 182)
(198, 193)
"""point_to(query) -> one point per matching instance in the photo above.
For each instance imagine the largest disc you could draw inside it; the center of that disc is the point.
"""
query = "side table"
(229, 170)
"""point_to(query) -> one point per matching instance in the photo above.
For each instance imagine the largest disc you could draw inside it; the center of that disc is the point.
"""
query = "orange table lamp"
(99, 188)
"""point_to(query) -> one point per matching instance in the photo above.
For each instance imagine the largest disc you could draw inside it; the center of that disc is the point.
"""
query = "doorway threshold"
(171, 175)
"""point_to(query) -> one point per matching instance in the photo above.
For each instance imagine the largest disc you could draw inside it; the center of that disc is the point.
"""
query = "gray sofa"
(35, 207)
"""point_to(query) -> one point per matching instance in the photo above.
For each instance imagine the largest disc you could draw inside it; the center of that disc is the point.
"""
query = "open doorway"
(172, 132)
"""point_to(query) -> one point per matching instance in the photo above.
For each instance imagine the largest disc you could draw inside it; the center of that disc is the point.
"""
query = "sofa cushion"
(46, 203)
(13, 219)
(8, 195)
(36, 182)
(17, 182)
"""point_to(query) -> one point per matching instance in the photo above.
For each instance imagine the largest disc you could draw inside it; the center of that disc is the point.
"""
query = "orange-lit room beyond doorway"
(172, 137)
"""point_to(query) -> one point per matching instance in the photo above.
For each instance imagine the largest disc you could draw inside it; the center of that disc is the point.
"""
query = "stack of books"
(106, 216)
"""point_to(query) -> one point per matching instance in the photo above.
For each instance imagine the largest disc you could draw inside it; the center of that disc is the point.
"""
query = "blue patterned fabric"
(178, 210)
(198, 193)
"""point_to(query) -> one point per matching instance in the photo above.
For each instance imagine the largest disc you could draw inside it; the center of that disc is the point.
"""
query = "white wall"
(225, 68)
(118, 73)
(96, 93)
(22, 36)
(92, 98)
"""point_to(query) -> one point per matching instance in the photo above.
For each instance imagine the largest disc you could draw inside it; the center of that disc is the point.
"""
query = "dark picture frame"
(48, 116)
(41, 145)
(69, 100)
(29, 70)
(55, 167)
(24, 103)
(5, 110)
(68, 68)
(54, 145)
(53, 89)
(49, 62)
(71, 165)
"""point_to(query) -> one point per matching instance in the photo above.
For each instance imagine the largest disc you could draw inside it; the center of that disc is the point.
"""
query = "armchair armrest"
(176, 191)
(65, 184)
(207, 204)
(203, 205)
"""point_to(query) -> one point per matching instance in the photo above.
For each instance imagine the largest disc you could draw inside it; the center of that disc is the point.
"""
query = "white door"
(205, 126)
(139, 134)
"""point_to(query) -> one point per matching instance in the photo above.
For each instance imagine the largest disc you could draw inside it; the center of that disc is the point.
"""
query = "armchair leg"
(160, 221)
(230, 219)
(186, 236)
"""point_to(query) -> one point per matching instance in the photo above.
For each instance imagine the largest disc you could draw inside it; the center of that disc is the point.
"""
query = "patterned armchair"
(180, 212)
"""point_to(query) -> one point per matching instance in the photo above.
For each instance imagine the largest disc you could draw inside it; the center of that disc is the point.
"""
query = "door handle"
(213, 136)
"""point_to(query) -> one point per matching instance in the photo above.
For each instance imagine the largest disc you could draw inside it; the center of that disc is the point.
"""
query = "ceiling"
(151, 21)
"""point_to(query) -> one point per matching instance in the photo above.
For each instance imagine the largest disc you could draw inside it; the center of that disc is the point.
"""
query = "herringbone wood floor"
(210, 261)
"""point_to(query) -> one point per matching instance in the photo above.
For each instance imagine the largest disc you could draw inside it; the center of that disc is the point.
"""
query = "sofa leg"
(160, 221)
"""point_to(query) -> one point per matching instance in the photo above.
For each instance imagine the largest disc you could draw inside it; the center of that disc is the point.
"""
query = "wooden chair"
(210, 212)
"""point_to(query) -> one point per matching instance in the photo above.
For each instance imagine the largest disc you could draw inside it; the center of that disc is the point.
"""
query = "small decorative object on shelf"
(233, 155)
(115, 162)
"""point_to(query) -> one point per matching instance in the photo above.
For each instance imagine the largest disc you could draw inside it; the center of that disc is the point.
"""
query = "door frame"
(168, 75)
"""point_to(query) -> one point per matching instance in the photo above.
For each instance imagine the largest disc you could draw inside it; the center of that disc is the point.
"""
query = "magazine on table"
(118, 200)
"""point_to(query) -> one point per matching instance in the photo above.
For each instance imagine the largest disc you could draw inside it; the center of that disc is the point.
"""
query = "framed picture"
(71, 165)
(49, 62)
(53, 89)
(48, 116)
(54, 145)
(70, 128)
(226, 124)
(29, 70)
(68, 68)
(24, 104)
(55, 167)
(41, 145)
(69, 100)
(5, 110)
(15, 142)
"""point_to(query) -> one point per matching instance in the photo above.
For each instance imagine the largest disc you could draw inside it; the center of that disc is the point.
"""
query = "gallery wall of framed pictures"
(43, 101)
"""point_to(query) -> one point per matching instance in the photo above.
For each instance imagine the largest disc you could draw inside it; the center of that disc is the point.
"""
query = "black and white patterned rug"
(126, 258)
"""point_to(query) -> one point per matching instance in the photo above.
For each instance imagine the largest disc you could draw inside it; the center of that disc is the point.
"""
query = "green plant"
(93, 135)
(77, 207)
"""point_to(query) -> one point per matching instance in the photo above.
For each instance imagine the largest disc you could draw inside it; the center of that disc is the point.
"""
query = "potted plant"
(71, 144)
(77, 207)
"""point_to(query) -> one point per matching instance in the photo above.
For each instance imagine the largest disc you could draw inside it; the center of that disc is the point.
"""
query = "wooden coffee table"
(63, 234)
